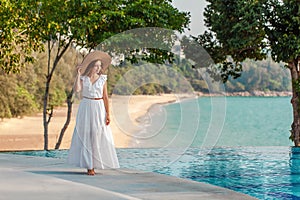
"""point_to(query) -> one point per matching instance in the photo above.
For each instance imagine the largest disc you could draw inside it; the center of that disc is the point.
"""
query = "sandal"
(91, 172)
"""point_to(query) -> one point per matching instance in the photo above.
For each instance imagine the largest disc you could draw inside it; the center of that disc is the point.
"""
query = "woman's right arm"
(78, 81)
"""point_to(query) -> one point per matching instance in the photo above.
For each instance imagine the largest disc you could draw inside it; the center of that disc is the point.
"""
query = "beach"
(27, 133)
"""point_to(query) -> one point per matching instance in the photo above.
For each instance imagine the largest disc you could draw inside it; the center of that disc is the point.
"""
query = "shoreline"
(26, 133)
(256, 93)
(130, 109)
(20, 134)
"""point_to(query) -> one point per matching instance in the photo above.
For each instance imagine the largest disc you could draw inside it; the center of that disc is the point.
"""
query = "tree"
(17, 43)
(240, 29)
(62, 24)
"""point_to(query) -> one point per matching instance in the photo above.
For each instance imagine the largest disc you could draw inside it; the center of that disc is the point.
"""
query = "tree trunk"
(45, 112)
(69, 112)
(46, 96)
(295, 132)
(60, 52)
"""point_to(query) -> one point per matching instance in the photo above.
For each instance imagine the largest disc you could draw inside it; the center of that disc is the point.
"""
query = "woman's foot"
(91, 172)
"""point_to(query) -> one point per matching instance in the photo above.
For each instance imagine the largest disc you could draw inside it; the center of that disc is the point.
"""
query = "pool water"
(261, 172)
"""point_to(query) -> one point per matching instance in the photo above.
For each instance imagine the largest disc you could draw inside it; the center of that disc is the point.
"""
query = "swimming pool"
(262, 172)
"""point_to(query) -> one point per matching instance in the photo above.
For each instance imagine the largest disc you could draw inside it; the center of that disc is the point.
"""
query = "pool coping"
(32, 177)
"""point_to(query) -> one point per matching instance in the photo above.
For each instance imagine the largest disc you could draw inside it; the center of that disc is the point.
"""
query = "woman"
(92, 143)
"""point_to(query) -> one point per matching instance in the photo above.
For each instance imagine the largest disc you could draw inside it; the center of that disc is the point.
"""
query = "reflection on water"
(295, 171)
(262, 172)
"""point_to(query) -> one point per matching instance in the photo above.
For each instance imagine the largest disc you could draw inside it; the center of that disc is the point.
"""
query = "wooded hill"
(265, 75)
(22, 94)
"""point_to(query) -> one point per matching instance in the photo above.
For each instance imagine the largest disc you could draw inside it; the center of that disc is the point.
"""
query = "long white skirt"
(92, 142)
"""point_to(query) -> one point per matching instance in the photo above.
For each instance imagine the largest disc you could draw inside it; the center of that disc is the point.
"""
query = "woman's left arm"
(106, 103)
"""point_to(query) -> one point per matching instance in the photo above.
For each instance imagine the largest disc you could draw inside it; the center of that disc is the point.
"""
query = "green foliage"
(282, 29)
(235, 32)
(238, 27)
(61, 24)
(7, 91)
(23, 103)
(22, 93)
(242, 29)
(5, 110)
(16, 40)
(26, 25)
(107, 18)
(265, 75)
(114, 75)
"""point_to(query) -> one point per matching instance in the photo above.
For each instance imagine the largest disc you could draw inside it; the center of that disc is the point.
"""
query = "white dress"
(92, 143)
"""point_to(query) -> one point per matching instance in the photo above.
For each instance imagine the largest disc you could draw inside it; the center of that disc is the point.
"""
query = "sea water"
(219, 121)
(240, 143)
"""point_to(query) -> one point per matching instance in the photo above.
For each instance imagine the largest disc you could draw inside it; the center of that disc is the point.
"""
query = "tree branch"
(50, 114)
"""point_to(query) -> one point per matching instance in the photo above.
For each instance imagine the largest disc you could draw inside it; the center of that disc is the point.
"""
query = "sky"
(196, 8)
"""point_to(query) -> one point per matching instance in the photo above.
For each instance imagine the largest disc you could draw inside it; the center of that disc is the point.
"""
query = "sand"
(27, 133)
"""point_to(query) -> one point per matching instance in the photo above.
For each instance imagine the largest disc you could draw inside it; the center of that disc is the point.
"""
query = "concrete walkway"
(39, 178)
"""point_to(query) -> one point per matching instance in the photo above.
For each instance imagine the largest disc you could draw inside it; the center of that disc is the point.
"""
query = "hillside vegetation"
(22, 94)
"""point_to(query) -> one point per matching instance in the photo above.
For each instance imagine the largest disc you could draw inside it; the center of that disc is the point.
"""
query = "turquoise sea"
(240, 143)
(219, 121)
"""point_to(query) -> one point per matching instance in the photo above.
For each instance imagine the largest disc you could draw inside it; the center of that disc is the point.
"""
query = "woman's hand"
(107, 119)
(78, 82)
(79, 67)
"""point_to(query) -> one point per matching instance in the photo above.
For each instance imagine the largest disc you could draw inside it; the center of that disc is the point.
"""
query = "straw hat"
(96, 55)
